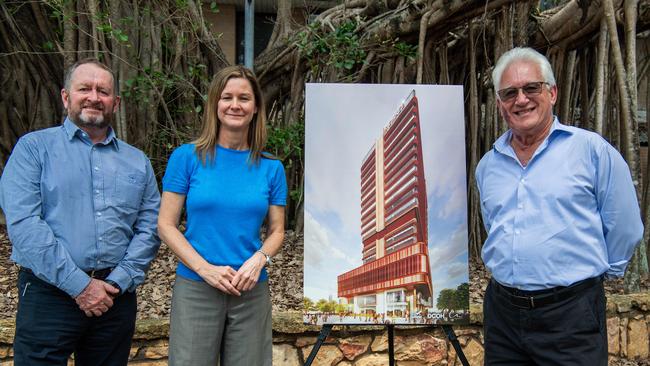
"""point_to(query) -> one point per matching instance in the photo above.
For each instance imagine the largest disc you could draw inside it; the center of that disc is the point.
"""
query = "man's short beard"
(101, 121)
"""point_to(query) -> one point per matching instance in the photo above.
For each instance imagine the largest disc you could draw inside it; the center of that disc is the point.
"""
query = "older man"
(561, 213)
(81, 208)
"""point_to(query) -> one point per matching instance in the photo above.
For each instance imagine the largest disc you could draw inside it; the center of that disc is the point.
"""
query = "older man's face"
(527, 114)
(91, 100)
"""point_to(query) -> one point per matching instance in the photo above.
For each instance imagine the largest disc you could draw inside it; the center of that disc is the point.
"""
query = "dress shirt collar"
(502, 144)
(72, 130)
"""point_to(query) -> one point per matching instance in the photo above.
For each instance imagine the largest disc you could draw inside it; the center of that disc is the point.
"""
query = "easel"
(327, 328)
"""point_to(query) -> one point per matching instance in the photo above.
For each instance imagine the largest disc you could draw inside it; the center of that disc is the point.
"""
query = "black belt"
(536, 299)
(99, 274)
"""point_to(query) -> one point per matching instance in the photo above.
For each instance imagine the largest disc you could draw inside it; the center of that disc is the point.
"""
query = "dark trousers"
(50, 327)
(569, 332)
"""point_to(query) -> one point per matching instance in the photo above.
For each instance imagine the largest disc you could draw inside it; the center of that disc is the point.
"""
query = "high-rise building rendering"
(395, 277)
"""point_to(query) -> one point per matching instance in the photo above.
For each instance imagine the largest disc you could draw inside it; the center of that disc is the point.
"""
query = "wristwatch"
(114, 284)
(268, 257)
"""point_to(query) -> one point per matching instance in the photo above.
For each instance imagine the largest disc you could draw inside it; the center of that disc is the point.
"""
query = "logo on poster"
(440, 315)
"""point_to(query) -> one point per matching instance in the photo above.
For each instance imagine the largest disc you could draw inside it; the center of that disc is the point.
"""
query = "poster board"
(385, 205)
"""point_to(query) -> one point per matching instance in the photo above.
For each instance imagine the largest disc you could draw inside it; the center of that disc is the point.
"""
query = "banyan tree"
(164, 54)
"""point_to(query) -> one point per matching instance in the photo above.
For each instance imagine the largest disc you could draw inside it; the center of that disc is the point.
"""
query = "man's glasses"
(529, 90)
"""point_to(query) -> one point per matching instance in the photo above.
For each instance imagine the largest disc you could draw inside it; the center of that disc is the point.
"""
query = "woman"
(221, 306)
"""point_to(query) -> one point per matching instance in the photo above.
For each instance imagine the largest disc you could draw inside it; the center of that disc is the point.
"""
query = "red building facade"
(395, 275)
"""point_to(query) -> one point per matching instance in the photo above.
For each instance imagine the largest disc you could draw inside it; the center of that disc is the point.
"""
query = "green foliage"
(56, 9)
(456, 299)
(101, 16)
(445, 299)
(213, 7)
(181, 4)
(55, 12)
(307, 304)
(48, 46)
(340, 308)
(340, 48)
(138, 87)
(287, 143)
(197, 71)
(163, 142)
(110, 30)
(409, 51)
(326, 306)
(114, 33)
(462, 296)
(120, 36)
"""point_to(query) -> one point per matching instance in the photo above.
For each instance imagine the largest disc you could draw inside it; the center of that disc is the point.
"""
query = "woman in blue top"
(221, 308)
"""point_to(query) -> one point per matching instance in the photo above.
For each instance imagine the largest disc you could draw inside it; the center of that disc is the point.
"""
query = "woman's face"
(236, 105)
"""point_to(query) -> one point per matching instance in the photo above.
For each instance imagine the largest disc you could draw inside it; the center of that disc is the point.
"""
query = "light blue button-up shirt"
(570, 214)
(73, 206)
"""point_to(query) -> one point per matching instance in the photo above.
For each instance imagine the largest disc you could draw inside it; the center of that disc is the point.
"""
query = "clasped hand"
(232, 282)
(96, 298)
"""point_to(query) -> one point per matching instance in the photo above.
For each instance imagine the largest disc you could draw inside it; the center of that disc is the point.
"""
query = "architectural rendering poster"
(385, 205)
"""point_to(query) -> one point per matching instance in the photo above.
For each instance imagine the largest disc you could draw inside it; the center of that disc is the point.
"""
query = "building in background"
(395, 278)
(226, 19)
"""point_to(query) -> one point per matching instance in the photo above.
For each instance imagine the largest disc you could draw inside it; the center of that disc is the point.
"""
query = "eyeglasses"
(529, 90)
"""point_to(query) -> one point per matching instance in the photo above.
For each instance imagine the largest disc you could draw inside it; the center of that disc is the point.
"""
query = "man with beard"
(561, 213)
(81, 208)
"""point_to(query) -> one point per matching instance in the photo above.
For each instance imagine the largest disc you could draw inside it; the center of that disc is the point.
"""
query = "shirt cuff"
(616, 270)
(121, 277)
(76, 282)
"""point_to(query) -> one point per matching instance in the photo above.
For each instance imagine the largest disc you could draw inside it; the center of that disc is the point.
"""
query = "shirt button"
(97, 191)
(101, 238)
(98, 213)
(517, 232)
(520, 206)
(96, 168)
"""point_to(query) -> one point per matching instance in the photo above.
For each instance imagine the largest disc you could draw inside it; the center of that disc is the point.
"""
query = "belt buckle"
(92, 273)
(524, 302)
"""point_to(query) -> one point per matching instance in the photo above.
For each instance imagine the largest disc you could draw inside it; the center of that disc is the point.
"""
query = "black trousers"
(50, 327)
(569, 332)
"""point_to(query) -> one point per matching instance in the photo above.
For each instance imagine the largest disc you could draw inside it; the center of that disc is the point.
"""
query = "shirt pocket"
(129, 188)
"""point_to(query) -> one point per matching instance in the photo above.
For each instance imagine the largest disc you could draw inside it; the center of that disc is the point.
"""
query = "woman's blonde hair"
(206, 143)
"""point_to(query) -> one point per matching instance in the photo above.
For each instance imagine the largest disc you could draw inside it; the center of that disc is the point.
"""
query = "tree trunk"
(69, 34)
(473, 144)
(568, 73)
(421, 42)
(282, 29)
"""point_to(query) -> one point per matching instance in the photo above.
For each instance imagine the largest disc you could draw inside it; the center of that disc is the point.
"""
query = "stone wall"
(628, 321)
